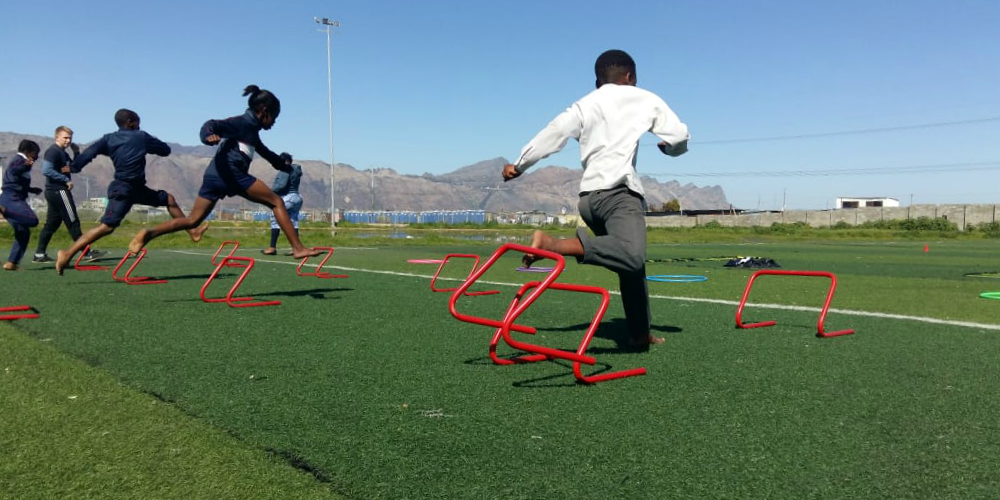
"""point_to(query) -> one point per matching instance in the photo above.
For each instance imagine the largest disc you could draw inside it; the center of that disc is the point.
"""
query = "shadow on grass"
(315, 293)
(111, 281)
(615, 330)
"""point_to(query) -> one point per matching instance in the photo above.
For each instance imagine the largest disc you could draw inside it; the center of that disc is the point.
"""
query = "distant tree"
(672, 206)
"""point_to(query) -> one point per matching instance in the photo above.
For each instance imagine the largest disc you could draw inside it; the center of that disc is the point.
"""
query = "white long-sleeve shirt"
(608, 123)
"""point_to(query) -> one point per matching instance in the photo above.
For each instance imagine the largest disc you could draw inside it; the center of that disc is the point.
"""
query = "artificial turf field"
(369, 386)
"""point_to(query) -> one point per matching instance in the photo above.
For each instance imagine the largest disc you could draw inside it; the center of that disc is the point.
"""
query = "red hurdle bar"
(318, 273)
(822, 314)
(236, 246)
(247, 263)
(584, 343)
(9, 317)
(520, 304)
(128, 278)
(471, 272)
(79, 267)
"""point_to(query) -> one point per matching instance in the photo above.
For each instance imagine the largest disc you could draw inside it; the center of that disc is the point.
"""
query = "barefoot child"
(127, 148)
(608, 123)
(238, 138)
(13, 202)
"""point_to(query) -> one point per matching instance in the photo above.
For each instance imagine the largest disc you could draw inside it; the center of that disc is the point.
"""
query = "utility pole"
(327, 24)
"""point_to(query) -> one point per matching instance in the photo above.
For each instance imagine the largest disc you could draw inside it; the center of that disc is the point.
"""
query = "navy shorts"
(121, 197)
(216, 184)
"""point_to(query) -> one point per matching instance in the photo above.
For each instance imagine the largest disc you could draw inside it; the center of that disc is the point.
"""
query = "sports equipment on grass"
(78, 267)
(677, 278)
(8, 317)
(822, 314)
(236, 246)
(318, 272)
(534, 269)
(522, 300)
(247, 264)
(471, 272)
(127, 277)
(990, 295)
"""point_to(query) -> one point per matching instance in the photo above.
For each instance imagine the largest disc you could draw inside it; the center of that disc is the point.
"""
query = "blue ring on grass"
(677, 278)
(990, 295)
(534, 269)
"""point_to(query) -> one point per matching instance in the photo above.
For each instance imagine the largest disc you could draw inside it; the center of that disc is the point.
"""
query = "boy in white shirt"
(608, 123)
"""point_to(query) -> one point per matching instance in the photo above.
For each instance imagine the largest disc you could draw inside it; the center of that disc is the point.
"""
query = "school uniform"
(127, 150)
(20, 216)
(229, 172)
(608, 122)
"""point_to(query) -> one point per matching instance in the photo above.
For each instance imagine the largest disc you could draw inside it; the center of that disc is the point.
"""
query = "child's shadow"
(615, 330)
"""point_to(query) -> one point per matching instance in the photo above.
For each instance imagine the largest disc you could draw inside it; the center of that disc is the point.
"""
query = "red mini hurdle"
(318, 272)
(236, 246)
(522, 302)
(245, 262)
(471, 272)
(9, 317)
(79, 267)
(822, 314)
(128, 278)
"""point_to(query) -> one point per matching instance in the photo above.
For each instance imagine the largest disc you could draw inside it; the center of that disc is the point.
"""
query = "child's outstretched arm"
(98, 148)
(276, 161)
(550, 140)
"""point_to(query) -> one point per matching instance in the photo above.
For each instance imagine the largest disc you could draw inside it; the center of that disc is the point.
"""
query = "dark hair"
(612, 65)
(28, 146)
(286, 157)
(124, 116)
(261, 99)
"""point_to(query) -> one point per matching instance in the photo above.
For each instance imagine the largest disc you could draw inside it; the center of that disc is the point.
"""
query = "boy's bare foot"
(62, 260)
(198, 232)
(644, 343)
(538, 240)
(305, 252)
(135, 246)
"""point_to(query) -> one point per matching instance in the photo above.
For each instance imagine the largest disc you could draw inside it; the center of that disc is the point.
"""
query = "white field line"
(848, 312)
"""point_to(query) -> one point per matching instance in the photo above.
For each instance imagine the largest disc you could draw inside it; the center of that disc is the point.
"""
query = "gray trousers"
(618, 219)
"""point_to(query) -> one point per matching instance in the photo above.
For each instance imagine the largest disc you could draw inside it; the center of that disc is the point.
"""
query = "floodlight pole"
(327, 24)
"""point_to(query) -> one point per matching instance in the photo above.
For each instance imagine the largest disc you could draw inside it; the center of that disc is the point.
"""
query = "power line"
(848, 132)
(912, 169)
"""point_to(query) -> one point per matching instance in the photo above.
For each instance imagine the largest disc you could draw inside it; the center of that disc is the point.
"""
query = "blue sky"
(434, 86)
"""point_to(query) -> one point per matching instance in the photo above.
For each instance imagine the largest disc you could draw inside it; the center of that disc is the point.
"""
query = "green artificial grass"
(370, 385)
(72, 431)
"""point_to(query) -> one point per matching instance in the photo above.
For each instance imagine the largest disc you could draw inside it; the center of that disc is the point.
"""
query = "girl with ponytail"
(228, 174)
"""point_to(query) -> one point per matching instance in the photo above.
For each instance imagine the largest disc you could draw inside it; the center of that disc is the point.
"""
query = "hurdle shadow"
(546, 382)
(315, 293)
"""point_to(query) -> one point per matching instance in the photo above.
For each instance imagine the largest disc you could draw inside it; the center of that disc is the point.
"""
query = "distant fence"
(427, 217)
(964, 216)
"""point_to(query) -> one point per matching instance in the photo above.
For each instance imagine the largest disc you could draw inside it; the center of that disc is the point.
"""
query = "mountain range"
(551, 189)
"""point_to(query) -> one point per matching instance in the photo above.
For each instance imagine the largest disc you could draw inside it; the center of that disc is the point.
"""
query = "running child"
(286, 185)
(608, 123)
(228, 174)
(127, 148)
(13, 202)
